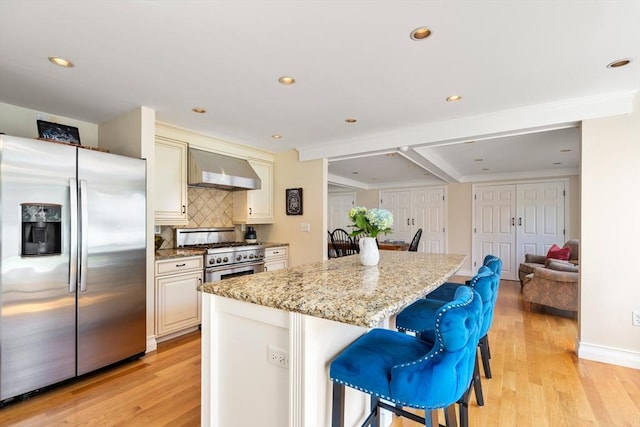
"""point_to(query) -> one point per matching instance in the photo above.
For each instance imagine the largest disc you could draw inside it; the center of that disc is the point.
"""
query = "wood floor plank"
(537, 382)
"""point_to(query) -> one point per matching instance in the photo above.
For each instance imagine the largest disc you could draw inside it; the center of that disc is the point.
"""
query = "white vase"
(369, 254)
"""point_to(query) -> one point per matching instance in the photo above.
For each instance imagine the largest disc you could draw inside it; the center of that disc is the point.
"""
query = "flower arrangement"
(370, 222)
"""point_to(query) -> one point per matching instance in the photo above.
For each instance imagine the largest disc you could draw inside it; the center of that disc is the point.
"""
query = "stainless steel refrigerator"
(72, 291)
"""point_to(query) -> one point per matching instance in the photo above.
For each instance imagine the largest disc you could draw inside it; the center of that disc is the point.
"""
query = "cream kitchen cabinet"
(178, 302)
(170, 185)
(256, 206)
(276, 258)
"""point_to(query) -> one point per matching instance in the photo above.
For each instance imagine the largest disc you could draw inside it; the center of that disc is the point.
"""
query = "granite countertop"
(181, 252)
(343, 290)
(273, 244)
(178, 253)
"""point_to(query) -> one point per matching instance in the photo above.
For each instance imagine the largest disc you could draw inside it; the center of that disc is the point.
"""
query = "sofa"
(532, 261)
(555, 285)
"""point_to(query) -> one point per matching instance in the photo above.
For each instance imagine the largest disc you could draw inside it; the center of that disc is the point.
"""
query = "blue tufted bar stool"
(420, 318)
(445, 293)
(399, 370)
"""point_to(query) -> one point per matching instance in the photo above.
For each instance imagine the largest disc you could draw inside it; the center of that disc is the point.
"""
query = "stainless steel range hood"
(208, 169)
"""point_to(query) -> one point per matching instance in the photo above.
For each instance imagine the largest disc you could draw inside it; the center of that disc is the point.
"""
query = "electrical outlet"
(636, 318)
(278, 357)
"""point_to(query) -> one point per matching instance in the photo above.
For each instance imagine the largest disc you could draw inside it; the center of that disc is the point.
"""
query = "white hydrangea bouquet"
(370, 222)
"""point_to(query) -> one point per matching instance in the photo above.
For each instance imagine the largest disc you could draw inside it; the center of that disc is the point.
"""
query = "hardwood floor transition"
(537, 381)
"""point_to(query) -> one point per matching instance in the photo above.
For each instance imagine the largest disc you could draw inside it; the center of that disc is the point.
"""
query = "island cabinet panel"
(255, 206)
(238, 341)
(170, 182)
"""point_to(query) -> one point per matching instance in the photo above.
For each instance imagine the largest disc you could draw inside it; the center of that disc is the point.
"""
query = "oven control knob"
(239, 258)
(211, 261)
(218, 260)
(261, 255)
(250, 256)
(225, 259)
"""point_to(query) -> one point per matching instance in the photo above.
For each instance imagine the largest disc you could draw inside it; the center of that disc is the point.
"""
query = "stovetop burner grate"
(218, 245)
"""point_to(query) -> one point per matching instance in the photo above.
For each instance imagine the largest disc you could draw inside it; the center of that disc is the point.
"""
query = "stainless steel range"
(225, 257)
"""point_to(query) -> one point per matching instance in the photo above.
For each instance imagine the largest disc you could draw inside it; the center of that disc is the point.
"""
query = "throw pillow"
(556, 252)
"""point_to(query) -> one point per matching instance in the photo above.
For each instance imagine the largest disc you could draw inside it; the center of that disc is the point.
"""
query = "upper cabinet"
(256, 206)
(170, 187)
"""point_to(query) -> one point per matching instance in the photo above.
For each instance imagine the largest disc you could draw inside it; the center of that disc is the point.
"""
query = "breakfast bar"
(268, 338)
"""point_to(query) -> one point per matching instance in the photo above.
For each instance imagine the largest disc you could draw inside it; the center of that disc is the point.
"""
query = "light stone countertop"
(177, 253)
(343, 290)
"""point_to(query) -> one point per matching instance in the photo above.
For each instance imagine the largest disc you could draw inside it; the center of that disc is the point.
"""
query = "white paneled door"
(512, 220)
(427, 208)
(399, 204)
(495, 231)
(339, 206)
(414, 209)
(540, 217)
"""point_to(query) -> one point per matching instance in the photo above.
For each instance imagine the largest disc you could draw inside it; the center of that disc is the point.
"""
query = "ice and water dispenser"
(41, 229)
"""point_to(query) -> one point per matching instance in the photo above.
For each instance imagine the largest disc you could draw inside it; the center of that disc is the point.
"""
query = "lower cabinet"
(276, 258)
(178, 302)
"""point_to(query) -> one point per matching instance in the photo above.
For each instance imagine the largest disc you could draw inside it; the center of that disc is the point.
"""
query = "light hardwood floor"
(537, 381)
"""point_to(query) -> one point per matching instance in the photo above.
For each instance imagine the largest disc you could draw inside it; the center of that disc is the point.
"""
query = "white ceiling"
(528, 71)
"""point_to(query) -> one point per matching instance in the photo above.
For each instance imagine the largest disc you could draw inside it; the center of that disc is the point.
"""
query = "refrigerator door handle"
(73, 242)
(84, 244)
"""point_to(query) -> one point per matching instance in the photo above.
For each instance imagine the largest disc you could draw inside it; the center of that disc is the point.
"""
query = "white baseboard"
(612, 356)
(152, 344)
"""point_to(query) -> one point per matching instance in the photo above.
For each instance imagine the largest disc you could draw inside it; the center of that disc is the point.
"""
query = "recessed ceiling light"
(276, 136)
(198, 110)
(390, 154)
(565, 150)
(61, 62)
(454, 98)
(485, 169)
(469, 142)
(420, 33)
(478, 160)
(557, 163)
(619, 63)
(286, 80)
(354, 173)
(350, 120)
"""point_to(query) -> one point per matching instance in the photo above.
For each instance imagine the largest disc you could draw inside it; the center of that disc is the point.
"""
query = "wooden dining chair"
(342, 243)
(413, 247)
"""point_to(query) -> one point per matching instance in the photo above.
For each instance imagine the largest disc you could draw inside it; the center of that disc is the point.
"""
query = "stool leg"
(337, 406)
(375, 421)
(450, 416)
(431, 418)
(484, 352)
(477, 385)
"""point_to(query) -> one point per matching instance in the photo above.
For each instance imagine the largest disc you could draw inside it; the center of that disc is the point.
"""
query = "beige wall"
(18, 121)
(368, 198)
(610, 233)
(459, 223)
(311, 176)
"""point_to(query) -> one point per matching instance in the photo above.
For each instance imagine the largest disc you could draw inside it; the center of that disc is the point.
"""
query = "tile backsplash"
(208, 207)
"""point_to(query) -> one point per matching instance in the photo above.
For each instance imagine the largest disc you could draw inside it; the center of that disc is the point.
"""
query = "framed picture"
(294, 201)
(58, 132)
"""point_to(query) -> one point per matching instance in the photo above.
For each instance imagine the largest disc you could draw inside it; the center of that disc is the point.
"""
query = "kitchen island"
(268, 338)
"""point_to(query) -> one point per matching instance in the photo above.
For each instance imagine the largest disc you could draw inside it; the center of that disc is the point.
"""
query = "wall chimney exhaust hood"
(208, 169)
